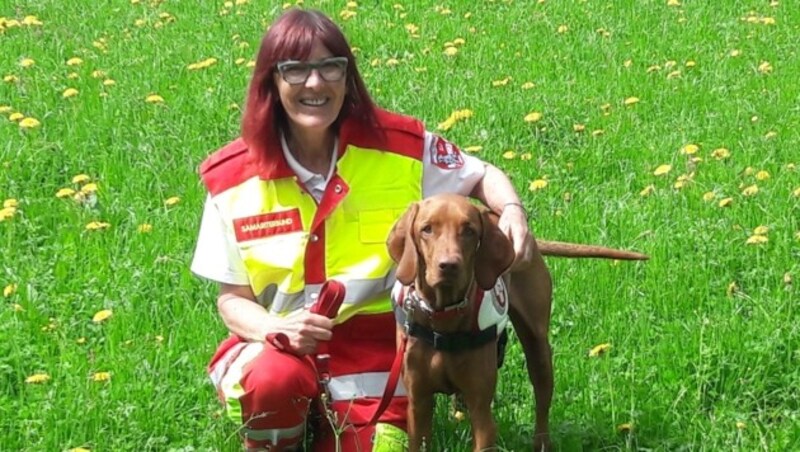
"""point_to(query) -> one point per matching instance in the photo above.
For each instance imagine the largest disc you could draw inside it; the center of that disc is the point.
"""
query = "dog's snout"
(449, 264)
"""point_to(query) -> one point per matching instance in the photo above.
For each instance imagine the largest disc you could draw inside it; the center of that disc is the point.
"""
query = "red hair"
(291, 37)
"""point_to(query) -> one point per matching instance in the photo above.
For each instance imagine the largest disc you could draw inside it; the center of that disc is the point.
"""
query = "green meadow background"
(668, 127)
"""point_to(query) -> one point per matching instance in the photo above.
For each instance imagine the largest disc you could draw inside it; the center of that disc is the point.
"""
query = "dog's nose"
(449, 265)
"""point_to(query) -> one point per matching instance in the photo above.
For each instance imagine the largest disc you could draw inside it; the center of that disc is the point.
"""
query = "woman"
(309, 194)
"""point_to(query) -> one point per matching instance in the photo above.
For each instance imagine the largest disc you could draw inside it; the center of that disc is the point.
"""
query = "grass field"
(669, 127)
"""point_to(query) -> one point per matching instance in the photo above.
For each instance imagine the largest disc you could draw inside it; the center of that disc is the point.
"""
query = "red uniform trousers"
(274, 391)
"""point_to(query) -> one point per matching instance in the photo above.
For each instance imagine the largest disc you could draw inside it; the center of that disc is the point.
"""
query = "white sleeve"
(215, 257)
(447, 170)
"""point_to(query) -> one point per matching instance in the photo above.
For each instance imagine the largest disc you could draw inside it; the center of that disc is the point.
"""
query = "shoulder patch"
(445, 154)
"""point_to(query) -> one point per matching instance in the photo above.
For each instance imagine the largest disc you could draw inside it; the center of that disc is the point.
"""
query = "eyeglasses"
(297, 72)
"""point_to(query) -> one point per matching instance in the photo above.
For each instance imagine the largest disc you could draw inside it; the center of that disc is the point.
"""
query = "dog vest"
(489, 322)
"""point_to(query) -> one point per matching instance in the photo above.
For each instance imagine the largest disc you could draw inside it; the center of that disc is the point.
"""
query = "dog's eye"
(427, 229)
(468, 231)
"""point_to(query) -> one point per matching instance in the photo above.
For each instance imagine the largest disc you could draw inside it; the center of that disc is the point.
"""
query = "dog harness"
(489, 322)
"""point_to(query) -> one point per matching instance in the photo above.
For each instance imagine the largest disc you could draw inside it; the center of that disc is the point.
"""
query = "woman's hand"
(514, 224)
(249, 320)
(303, 330)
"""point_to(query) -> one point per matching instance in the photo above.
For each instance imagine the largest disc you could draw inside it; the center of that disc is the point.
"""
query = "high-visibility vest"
(291, 245)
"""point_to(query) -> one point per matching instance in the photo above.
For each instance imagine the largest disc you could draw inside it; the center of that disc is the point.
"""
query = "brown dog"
(448, 252)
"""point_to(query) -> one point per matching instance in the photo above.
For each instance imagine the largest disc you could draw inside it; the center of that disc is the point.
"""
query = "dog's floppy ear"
(401, 246)
(495, 253)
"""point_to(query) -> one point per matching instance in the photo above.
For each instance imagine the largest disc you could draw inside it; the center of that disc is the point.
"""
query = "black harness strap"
(453, 342)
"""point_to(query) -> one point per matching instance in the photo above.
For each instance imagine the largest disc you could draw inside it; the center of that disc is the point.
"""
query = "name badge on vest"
(267, 224)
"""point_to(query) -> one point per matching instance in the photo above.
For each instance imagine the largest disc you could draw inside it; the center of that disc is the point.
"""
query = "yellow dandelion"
(69, 92)
(647, 191)
(598, 350)
(625, 428)
(501, 82)
(562, 29)
(5, 109)
(509, 155)
(27, 62)
(9, 290)
(102, 315)
(455, 116)
(80, 340)
(347, 14)
(741, 425)
(578, 127)
(37, 378)
(538, 184)
(762, 175)
(450, 51)
(145, 228)
(751, 190)
(673, 74)
(97, 225)
(765, 67)
(154, 99)
(673, 3)
(653, 68)
(11, 202)
(533, 116)
(734, 53)
(83, 449)
(459, 416)
(31, 21)
(787, 279)
(109, 82)
(690, 63)
(731, 289)
(172, 201)
(250, 64)
(631, 101)
(726, 202)
(7, 213)
(528, 85)
(770, 135)
(662, 169)
(627, 63)
(17, 307)
(598, 132)
(473, 148)
(80, 179)
(14, 117)
(101, 376)
(757, 239)
(526, 156)
(98, 74)
(74, 61)
(65, 193)
(73, 75)
(89, 188)
(690, 149)
(796, 192)
(709, 196)
(721, 153)
(761, 230)
(29, 123)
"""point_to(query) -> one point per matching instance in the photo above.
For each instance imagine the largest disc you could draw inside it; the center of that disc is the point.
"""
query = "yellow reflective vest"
(291, 245)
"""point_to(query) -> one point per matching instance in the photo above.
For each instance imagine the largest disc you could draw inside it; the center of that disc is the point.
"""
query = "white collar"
(301, 171)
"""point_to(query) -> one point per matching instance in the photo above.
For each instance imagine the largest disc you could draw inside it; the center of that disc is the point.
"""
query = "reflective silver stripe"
(287, 302)
(275, 434)
(356, 386)
(356, 290)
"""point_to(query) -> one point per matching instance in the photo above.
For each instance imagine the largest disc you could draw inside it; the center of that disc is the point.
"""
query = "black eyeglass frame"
(283, 66)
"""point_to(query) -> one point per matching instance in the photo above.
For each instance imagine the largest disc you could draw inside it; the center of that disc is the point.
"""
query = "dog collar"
(412, 300)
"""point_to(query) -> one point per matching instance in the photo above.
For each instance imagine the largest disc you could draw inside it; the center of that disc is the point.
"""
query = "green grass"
(691, 356)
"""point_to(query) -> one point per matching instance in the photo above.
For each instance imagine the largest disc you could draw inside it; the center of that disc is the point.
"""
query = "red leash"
(331, 297)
